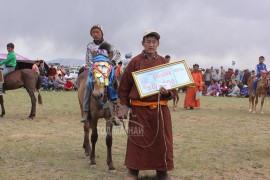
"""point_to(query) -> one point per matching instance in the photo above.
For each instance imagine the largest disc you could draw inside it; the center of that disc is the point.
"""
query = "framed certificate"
(172, 75)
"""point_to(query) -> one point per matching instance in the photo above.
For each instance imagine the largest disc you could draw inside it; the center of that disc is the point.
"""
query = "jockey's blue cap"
(128, 55)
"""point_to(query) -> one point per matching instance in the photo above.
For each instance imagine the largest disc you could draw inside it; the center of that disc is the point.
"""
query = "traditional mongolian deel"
(155, 149)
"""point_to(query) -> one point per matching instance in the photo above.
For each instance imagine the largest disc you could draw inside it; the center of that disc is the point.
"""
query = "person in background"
(50, 83)
(246, 76)
(236, 76)
(235, 90)
(69, 84)
(128, 57)
(207, 77)
(214, 90)
(228, 76)
(214, 75)
(44, 82)
(118, 68)
(52, 71)
(9, 64)
(190, 99)
(59, 83)
(35, 67)
(253, 73)
(260, 67)
(63, 71)
(222, 74)
(244, 91)
(58, 71)
(67, 76)
(42, 69)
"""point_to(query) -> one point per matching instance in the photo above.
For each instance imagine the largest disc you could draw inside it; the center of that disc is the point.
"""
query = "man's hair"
(150, 35)
(167, 56)
(261, 57)
(10, 45)
(106, 46)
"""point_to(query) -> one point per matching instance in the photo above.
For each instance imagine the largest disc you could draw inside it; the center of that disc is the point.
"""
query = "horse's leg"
(250, 101)
(262, 102)
(256, 102)
(2, 106)
(94, 138)
(86, 142)
(109, 144)
(33, 101)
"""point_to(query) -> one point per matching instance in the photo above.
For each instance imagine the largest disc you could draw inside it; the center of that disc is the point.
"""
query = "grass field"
(222, 140)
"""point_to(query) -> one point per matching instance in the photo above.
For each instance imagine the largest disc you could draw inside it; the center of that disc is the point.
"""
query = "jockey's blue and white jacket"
(93, 47)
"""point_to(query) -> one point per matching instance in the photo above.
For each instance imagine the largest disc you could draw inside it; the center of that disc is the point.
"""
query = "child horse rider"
(259, 68)
(9, 64)
(97, 35)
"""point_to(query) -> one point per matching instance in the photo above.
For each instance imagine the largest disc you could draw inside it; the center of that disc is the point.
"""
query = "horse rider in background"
(9, 64)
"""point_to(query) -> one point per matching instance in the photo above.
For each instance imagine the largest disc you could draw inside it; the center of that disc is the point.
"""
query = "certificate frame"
(177, 74)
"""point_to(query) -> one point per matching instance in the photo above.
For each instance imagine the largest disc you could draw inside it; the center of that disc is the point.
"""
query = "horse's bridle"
(106, 75)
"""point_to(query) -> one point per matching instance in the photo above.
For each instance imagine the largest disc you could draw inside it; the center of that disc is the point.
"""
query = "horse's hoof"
(2, 115)
(249, 110)
(93, 166)
(262, 113)
(113, 171)
(30, 117)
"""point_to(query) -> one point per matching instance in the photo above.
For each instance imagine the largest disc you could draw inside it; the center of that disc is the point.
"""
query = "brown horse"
(23, 78)
(261, 90)
(97, 111)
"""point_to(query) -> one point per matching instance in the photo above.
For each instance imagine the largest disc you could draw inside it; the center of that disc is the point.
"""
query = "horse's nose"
(101, 96)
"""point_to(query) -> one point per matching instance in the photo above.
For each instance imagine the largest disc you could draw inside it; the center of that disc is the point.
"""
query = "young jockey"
(96, 33)
(259, 68)
(9, 64)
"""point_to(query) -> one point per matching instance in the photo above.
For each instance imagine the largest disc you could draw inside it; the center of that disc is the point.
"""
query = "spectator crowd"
(231, 83)
(55, 78)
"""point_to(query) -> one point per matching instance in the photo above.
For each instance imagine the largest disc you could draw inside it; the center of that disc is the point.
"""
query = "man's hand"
(164, 92)
(122, 111)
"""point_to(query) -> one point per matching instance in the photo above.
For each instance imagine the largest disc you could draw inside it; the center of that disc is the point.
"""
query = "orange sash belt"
(152, 105)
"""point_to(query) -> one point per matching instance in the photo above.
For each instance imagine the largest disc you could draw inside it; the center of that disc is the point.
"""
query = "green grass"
(222, 140)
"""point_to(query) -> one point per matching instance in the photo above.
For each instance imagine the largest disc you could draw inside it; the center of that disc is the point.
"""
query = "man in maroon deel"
(150, 140)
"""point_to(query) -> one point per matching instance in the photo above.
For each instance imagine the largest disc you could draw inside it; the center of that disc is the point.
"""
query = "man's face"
(150, 45)
(9, 49)
(96, 34)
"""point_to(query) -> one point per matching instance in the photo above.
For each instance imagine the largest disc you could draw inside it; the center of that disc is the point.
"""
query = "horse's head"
(101, 75)
(264, 81)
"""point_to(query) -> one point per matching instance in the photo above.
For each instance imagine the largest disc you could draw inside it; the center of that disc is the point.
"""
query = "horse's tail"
(39, 83)
(38, 86)
(39, 98)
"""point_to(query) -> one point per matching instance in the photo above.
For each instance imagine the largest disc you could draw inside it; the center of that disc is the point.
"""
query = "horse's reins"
(163, 129)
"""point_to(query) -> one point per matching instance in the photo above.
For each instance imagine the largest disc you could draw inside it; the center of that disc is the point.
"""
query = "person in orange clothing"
(190, 99)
